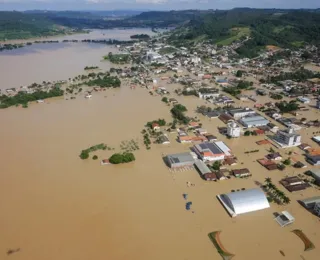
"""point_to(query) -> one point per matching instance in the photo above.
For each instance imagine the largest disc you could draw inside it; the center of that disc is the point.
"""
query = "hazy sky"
(152, 4)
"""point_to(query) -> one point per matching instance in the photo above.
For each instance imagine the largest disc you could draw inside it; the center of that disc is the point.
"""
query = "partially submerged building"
(287, 138)
(284, 219)
(294, 183)
(202, 167)
(233, 130)
(253, 120)
(240, 112)
(244, 201)
(216, 151)
(180, 160)
(312, 204)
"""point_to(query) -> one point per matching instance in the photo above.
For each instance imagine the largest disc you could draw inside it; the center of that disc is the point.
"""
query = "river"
(58, 61)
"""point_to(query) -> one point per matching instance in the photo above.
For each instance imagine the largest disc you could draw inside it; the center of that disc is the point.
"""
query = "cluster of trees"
(105, 82)
(165, 100)
(276, 193)
(203, 109)
(91, 67)
(248, 133)
(10, 46)
(22, 98)
(276, 96)
(117, 58)
(192, 92)
(242, 85)
(178, 113)
(118, 158)
(85, 153)
(160, 122)
(146, 139)
(298, 75)
(140, 36)
(286, 107)
(232, 91)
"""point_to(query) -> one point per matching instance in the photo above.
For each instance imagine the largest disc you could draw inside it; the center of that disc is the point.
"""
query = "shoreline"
(41, 38)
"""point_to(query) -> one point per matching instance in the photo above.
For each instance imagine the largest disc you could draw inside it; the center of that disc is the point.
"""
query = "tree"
(118, 158)
(84, 154)
(268, 180)
(247, 133)
(286, 200)
(239, 74)
(287, 161)
(95, 157)
(164, 99)
(216, 165)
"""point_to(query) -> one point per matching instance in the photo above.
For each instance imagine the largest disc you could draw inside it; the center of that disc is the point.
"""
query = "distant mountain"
(86, 13)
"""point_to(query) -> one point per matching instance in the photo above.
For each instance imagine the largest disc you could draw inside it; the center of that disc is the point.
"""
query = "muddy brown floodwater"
(56, 206)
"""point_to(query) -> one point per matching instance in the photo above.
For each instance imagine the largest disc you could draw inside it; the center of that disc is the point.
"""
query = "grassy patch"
(279, 29)
(214, 237)
(308, 245)
(235, 34)
(297, 44)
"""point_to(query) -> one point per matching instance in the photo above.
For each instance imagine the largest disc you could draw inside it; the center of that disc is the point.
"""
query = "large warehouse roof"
(244, 201)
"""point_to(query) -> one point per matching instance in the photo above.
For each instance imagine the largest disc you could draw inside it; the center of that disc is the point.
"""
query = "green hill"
(17, 25)
(283, 28)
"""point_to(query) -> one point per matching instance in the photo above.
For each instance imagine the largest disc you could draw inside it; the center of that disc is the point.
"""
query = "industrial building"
(240, 112)
(294, 183)
(312, 204)
(180, 160)
(244, 201)
(233, 130)
(206, 93)
(216, 151)
(315, 173)
(287, 138)
(202, 167)
(253, 120)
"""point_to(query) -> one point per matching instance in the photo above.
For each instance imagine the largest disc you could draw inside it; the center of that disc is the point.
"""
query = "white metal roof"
(222, 146)
(246, 201)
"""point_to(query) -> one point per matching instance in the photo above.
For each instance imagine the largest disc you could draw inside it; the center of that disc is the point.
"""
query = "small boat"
(88, 96)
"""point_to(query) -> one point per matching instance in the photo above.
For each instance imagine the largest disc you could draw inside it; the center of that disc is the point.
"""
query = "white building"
(153, 56)
(245, 201)
(241, 112)
(233, 130)
(287, 138)
(253, 120)
(208, 93)
(196, 60)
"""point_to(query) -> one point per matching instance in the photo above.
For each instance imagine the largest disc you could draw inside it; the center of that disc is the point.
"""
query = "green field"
(235, 34)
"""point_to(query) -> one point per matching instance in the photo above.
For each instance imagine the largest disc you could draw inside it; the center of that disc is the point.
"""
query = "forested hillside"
(288, 29)
(17, 25)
